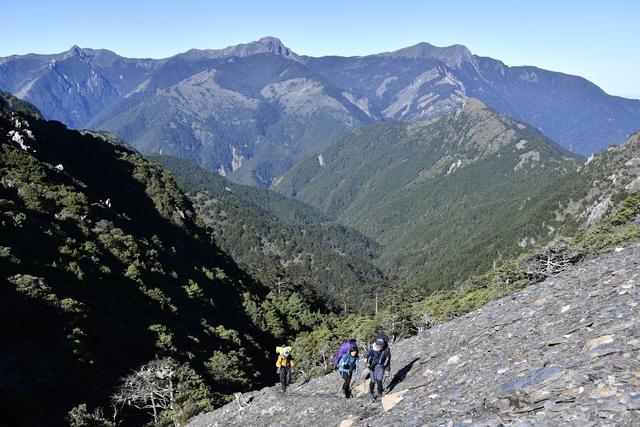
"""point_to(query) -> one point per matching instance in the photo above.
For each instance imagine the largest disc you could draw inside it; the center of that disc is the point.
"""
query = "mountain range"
(252, 111)
(451, 197)
(133, 264)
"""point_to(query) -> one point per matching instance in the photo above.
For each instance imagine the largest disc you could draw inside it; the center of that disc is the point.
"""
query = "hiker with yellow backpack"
(284, 364)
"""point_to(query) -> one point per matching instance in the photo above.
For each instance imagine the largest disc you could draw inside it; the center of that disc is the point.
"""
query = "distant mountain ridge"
(448, 197)
(424, 81)
(407, 185)
(252, 111)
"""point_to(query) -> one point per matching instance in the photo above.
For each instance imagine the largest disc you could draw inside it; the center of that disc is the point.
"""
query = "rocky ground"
(563, 352)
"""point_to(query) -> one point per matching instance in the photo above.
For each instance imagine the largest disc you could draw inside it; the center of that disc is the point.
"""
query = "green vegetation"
(615, 230)
(106, 268)
(109, 274)
(405, 313)
(446, 199)
(285, 244)
(10, 102)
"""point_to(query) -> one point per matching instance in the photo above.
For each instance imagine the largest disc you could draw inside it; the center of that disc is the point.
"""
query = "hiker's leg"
(283, 378)
(346, 378)
(378, 376)
(289, 376)
(372, 383)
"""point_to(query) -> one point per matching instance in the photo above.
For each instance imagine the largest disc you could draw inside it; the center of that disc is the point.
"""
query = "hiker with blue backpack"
(347, 361)
(378, 361)
(348, 364)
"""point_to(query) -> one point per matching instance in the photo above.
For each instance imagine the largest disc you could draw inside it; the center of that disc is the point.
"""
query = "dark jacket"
(382, 358)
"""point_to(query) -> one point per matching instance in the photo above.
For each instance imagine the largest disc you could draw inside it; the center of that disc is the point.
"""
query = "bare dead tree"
(151, 388)
(551, 260)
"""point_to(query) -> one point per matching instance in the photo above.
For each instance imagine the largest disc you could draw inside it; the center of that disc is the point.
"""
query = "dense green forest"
(284, 243)
(105, 268)
(445, 199)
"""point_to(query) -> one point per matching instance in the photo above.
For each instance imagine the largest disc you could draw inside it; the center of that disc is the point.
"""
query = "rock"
(428, 373)
(348, 422)
(453, 360)
(604, 391)
(538, 377)
(359, 389)
(390, 400)
(556, 341)
(597, 342)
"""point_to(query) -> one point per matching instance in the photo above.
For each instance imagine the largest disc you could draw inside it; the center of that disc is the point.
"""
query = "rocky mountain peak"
(453, 56)
(76, 52)
(269, 45)
(73, 51)
(266, 45)
(273, 44)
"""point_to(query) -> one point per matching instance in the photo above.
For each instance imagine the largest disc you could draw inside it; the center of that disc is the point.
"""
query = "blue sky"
(598, 40)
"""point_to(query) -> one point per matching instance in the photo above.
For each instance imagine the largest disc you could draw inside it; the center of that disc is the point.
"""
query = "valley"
(166, 224)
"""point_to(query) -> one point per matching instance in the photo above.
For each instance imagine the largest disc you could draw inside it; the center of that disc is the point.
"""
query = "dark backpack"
(345, 347)
(379, 357)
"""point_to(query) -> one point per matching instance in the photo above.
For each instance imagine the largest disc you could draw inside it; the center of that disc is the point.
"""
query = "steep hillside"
(562, 352)
(104, 268)
(283, 243)
(581, 198)
(445, 198)
(10, 102)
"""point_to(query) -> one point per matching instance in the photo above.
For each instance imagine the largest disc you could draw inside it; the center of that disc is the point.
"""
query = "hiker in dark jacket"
(348, 364)
(378, 361)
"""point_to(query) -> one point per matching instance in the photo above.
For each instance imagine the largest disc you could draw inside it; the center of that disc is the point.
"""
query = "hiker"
(284, 364)
(344, 348)
(378, 361)
(348, 364)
